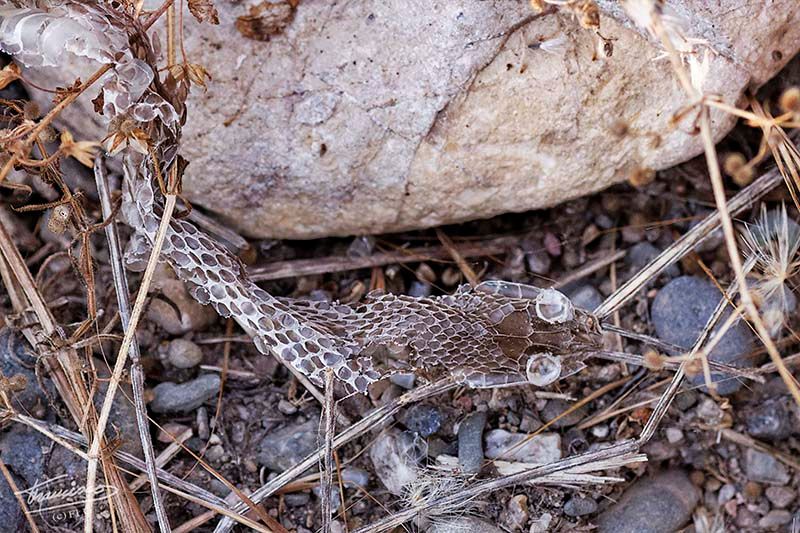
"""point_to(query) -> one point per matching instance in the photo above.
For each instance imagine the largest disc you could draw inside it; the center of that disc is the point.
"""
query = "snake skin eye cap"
(543, 369)
(553, 307)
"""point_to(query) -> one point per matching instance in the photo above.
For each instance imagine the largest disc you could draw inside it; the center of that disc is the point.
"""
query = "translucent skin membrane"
(495, 334)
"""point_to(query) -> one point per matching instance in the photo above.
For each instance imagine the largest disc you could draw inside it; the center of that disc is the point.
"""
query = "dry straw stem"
(329, 428)
(719, 198)
(470, 274)
(164, 457)
(137, 375)
(370, 421)
(66, 372)
(688, 241)
(620, 452)
(122, 356)
(168, 481)
(20, 500)
(750, 442)
(665, 401)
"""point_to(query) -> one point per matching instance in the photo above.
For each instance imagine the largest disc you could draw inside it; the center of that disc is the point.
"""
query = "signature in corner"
(60, 492)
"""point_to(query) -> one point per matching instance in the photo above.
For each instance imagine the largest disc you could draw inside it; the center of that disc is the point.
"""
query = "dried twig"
(467, 270)
(745, 198)
(329, 428)
(327, 265)
(621, 449)
(20, 500)
(137, 375)
(66, 372)
(122, 356)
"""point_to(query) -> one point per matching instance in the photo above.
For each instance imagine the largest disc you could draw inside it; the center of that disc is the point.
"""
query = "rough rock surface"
(364, 117)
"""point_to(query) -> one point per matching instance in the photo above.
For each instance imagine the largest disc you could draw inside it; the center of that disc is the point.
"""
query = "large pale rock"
(365, 117)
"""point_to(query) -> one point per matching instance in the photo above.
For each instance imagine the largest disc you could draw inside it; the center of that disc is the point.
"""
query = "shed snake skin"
(495, 334)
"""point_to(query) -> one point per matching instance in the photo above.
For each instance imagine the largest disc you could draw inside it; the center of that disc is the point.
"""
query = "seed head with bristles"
(434, 484)
(773, 243)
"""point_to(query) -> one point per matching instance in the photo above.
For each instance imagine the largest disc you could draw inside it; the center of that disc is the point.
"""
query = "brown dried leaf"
(204, 10)
(9, 73)
(266, 20)
(98, 102)
(192, 72)
(63, 92)
(83, 151)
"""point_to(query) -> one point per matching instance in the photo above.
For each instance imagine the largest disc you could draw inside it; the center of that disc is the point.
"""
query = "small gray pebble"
(355, 477)
(681, 310)
(640, 254)
(585, 297)
(659, 504)
(579, 506)
(538, 262)
(419, 289)
(283, 448)
(769, 420)
(184, 354)
(405, 381)
(780, 496)
(764, 468)
(775, 518)
(424, 419)
(174, 398)
(286, 407)
(470, 442)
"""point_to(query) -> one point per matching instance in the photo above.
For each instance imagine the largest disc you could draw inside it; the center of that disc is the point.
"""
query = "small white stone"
(394, 456)
(537, 449)
(674, 435)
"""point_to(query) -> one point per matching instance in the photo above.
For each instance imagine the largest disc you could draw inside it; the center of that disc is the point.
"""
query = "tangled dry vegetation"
(66, 292)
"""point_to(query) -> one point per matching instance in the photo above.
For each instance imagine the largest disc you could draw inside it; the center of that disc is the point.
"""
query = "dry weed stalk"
(682, 51)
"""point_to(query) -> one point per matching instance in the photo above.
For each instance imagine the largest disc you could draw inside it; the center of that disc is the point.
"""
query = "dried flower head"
(9, 74)
(430, 486)
(83, 151)
(789, 101)
(773, 242)
(59, 218)
(192, 72)
(735, 166)
(125, 132)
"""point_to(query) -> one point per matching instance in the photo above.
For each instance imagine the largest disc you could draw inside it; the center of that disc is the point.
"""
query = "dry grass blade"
(327, 265)
(735, 258)
(622, 449)
(163, 458)
(470, 274)
(122, 356)
(66, 370)
(15, 490)
(329, 428)
(137, 375)
(665, 401)
(176, 485)
(744, 199)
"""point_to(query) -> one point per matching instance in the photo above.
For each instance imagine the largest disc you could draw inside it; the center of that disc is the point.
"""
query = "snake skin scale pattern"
(495, 334)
